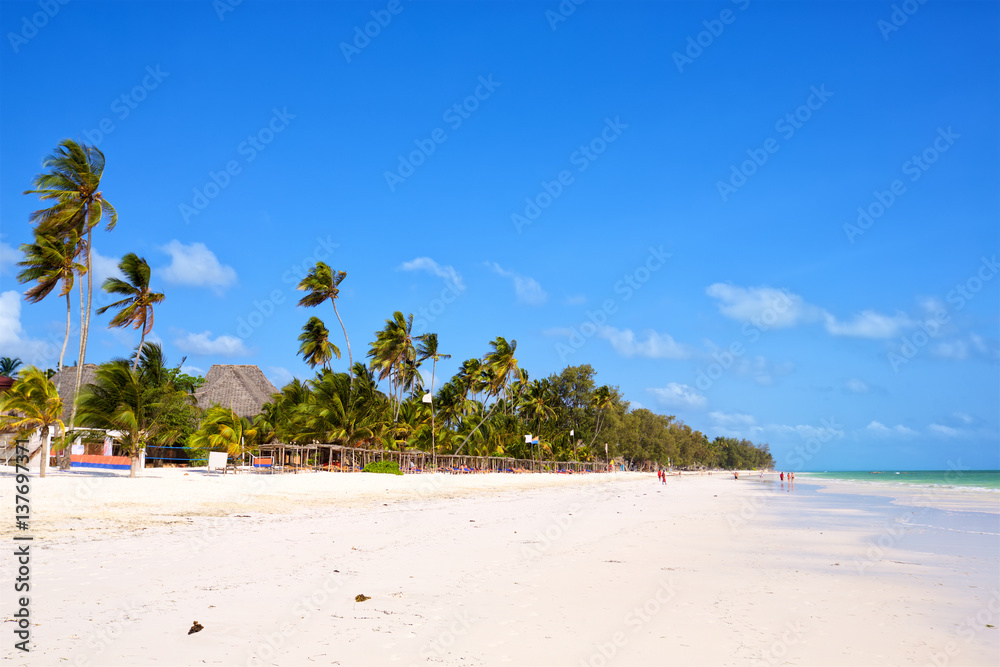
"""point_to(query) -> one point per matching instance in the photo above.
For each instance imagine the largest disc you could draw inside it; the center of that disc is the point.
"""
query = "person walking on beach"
(782, 477)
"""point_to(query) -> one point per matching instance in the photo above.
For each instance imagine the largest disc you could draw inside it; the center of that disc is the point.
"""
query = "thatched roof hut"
(65, 382)
(242, 388)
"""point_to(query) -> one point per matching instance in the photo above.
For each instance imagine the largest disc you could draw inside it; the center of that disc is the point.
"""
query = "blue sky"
(776, 220)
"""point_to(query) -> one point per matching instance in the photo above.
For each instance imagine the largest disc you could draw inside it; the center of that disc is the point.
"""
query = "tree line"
(490, 407)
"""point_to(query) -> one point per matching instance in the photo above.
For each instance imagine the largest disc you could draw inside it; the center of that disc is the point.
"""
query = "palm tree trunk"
(597, 428)
(135, 362)
(433, 447)
(64, 461)
(62, 354)
(84, 327)
(44, 462)
(350, 358)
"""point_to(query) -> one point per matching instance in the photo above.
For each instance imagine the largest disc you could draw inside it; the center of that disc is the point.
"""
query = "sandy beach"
(500, 570)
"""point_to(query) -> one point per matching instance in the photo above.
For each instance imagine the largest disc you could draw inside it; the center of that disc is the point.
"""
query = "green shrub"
(387, 467)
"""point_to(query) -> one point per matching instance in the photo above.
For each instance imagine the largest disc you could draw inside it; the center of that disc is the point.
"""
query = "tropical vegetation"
(491, 406)
(32, 404)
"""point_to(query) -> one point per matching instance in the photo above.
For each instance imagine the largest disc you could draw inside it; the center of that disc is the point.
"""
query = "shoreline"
(593, 570)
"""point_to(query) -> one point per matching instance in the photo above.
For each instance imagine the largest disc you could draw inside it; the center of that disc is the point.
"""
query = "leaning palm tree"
(316, 348)
(501, 366)
(72, 183)
(602, 402)
(136, 309)
(427, 348)
(323, 283)
(51, 260)
(33, 403)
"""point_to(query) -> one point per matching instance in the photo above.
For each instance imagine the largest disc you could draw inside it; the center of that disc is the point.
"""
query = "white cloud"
(933, 306)
(430, 266)
(959, 349)
(804, 431)
(9, 257)
(956, 350)
(192, 370)
(771, 308)
(731, 424)
(963, 417)
(527, 289)
(676, 395)
(195, 265)
(655, 346)
(879, 428)
(104, 268)
(15, 343)
(946, 431)
(203, 343)
(857, 386)
(868, 324)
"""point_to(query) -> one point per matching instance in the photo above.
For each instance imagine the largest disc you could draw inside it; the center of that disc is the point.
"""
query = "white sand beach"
(497, 570)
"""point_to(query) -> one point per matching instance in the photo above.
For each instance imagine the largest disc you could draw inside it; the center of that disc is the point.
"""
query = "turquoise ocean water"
(969, 479)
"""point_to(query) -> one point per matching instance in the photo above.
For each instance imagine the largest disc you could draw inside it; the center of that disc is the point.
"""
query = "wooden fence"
(353, 459)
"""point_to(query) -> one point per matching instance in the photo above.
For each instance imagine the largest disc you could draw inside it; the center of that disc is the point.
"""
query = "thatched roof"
(242, 388)
(65, 382)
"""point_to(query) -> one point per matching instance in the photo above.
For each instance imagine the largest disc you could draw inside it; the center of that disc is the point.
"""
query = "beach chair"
(218, 461)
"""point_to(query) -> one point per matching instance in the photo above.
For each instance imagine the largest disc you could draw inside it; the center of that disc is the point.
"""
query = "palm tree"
(322, 283)
(470, 377)
(8, 366)
(222, 429)
(33, 403)
(136, 308)
(451, 404)
(538, 405)
(394, 357)
(428, 349)
(340, 410)
(604, 400)
(48, 261)
(501, 366)
(316, 348)
(72, 182)
(126, 400)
